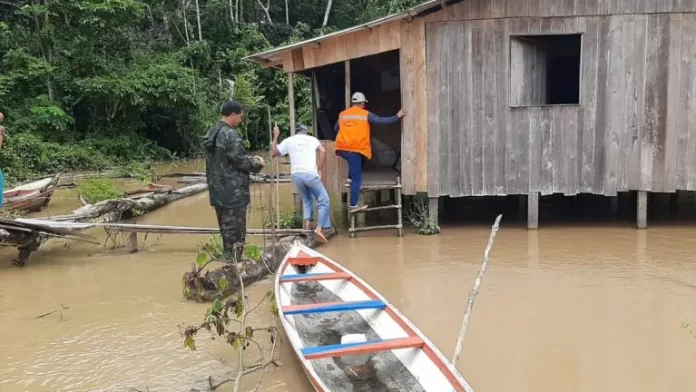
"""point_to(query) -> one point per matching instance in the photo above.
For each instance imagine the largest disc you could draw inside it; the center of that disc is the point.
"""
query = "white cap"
(358, 97)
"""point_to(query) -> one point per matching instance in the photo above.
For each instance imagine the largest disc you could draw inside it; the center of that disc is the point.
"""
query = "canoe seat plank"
(313, 277)
(304, 260)
(369, 347)
(333, 307)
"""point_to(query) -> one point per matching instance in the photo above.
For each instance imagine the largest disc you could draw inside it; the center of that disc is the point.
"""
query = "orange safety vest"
(354, 132)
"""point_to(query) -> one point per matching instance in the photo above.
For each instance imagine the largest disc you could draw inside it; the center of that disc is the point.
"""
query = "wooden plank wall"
(382, 38)
(335, 170)
(415, 145)
(491, 9)
(527, 65)
(635, 127)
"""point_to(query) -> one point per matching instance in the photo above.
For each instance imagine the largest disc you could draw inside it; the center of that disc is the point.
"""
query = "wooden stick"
(474, 291)
(271, 193)
(276, 190)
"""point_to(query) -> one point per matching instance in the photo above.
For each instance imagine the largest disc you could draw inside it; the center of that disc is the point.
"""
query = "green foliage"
(689, 329)
(138, 170)
(419, 216)
(92, 84)
(94, 190)
(288, 219)
(252, 252)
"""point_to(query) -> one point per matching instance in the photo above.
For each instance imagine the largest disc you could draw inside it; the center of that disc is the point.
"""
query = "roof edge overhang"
(272, 58)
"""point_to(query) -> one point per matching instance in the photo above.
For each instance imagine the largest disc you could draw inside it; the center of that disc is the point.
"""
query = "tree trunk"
(186, 28)
(198, 17)
(202, 288)
(266, 9)
(232, 11)
(287, 13)
(326, 14)
(105, 211)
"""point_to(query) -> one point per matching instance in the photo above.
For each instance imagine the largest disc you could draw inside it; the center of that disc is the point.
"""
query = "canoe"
(32, 196)
(348, 337)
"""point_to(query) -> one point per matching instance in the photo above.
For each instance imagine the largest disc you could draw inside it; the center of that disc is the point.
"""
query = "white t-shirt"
(303, 153)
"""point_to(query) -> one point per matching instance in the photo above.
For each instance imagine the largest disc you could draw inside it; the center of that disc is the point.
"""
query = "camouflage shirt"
(227, 167)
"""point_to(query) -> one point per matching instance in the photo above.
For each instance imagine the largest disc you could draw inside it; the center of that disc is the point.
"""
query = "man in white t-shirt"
(302, 149)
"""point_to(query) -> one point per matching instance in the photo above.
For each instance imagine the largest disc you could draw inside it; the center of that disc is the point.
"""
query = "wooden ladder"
(398, 206)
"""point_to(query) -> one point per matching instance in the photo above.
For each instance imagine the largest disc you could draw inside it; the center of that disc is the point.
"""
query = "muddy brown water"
(565, 308)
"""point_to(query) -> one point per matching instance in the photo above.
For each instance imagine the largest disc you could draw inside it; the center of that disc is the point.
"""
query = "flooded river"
(566, 308)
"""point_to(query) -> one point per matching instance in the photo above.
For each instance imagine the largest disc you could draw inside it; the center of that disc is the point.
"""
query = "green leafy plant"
(140, 171)
(690, 329)
(94, 190)
(227, 318)
(288, 220)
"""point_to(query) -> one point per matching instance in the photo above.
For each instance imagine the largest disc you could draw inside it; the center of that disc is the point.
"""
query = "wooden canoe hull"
(32, 196)
(349, 337)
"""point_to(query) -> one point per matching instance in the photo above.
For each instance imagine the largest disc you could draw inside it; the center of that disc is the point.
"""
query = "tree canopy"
(86, 84)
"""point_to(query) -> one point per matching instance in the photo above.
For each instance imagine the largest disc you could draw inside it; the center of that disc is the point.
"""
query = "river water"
(564, 308)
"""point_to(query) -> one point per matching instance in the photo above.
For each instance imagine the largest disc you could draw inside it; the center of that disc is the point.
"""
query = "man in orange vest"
(353, 141)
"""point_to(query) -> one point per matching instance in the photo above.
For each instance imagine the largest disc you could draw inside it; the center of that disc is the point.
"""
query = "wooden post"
(291, 106)
(434, 209)
(345, 198)
(291, 102)
(315, 124)
(347, 83)
(533, 211)
(642, 221)
(133, 242)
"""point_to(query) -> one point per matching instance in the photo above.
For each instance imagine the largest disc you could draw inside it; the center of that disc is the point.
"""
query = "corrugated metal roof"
(272, 54)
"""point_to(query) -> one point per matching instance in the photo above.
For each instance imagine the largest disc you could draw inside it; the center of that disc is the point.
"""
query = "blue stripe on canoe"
(333, 347)
(376, 304)
(293, 276)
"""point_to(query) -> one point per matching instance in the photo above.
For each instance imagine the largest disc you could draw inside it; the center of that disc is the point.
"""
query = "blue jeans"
(354, 173)
(309, 187)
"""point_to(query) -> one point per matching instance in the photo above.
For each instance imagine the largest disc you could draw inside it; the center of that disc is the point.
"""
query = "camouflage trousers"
(232, 222)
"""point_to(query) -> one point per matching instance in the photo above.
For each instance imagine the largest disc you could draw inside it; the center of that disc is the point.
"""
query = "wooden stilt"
(132, 242)
(434, 209)
(533, 211)
(642, 220)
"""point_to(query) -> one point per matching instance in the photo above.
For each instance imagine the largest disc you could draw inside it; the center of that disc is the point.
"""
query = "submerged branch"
(474, 291)
(205, 287)
(54, 311)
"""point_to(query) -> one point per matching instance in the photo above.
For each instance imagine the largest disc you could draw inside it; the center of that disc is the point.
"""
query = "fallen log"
(205, 287)
(116, 209)
(103, 212)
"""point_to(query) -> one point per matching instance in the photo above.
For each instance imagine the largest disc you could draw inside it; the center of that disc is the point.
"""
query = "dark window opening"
(376, 76)
(545, 70)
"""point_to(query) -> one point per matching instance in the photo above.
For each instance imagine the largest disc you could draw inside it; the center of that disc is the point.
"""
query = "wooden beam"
(434, 209)
(347, 83)
(272, 64)
(533, 211)
(369, 347)
(642, 221)
(314, 277)
(291, 102)
(333, 307)
(315, 123)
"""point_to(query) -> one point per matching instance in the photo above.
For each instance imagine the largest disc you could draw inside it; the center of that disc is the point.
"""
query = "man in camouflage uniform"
(227, 169)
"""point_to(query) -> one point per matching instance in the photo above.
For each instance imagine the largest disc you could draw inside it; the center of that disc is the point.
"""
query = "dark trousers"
(355, 164)
(232, 222)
